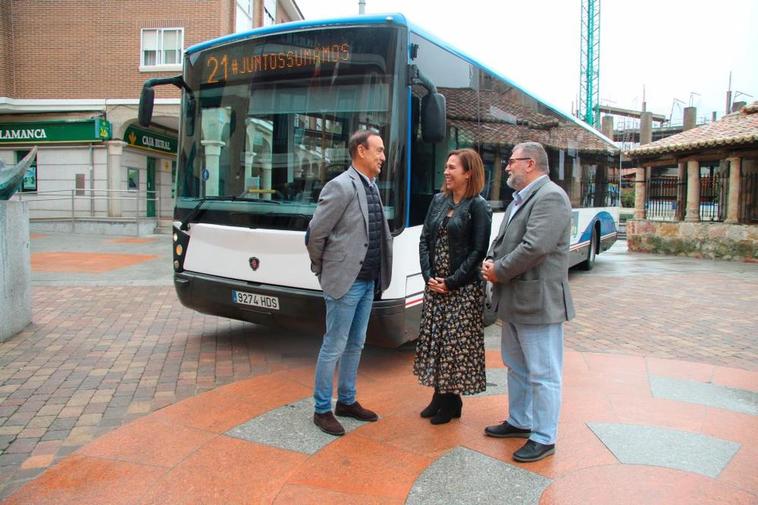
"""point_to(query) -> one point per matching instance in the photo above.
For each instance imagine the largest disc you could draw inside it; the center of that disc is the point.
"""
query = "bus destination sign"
(233, 64)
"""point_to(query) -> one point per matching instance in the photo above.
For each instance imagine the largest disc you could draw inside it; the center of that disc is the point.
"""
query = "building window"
(162, 48)
(269, 12)
(132, 179)
(29, 183)
(244, 19)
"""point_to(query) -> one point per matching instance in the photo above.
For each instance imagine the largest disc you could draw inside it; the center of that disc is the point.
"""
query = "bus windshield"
(271, 120)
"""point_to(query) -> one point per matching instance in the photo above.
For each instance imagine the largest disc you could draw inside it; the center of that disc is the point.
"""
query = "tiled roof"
(736, 129)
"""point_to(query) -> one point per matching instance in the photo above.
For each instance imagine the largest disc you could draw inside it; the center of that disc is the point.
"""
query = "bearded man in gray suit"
(528, 267)
(350, 248)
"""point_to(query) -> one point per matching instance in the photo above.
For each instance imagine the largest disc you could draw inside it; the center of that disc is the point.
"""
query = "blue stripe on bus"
(607, 225)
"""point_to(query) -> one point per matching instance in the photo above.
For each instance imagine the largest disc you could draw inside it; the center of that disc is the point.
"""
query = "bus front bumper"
(299, 309)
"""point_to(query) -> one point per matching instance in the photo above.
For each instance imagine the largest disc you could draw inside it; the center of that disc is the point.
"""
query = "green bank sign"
(150, 140)
(41, 132)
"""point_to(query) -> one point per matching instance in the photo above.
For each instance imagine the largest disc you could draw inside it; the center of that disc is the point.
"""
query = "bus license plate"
(256, 300)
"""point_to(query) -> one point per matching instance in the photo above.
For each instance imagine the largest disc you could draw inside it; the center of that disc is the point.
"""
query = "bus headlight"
(179, 249)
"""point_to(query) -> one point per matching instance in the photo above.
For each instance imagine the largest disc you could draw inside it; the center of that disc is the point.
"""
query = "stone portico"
(706, 181)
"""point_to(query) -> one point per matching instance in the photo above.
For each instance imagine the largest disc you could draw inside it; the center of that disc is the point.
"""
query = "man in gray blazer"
(528, 266)
(350, 247)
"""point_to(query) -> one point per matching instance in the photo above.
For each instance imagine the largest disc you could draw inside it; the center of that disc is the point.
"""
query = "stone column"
(115, 150)
(15, 268)
(693, 192)
(681, 197)
(735, 188)
(639, 193)
(607, 126)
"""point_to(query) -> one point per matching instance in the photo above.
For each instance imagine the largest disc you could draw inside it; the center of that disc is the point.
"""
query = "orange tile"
(616, 363)
(736, 378)
(741, 428)
(34, 236)
(79, 479)
(583, 405)
(204, 413)
(358, 465)
(641, 485)
(85, 261)
(493, 359)
(741, 470)
(307, 495)
(133, 240)
(700, 372)
(659, 412)
(418, 435)
(226, 470)
(148, 441)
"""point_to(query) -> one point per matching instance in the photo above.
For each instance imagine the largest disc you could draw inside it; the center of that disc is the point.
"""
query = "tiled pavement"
(657, 344)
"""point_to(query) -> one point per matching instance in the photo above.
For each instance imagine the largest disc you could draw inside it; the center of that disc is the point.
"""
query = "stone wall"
(738, 242)
(15, 268)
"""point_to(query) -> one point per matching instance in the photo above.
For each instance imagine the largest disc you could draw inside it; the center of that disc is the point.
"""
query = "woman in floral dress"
(454, 240)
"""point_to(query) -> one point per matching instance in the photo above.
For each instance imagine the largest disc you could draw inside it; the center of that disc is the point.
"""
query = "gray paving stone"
(644, 445)
(290, 427)
(466, 477)
(497, 382)
(712, 395)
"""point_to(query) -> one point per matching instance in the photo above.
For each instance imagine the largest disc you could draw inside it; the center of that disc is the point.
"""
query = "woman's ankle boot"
(447, 409)
(457, 403)
(433, 407)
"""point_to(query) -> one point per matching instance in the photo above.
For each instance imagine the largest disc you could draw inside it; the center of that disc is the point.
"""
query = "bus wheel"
(591, 254)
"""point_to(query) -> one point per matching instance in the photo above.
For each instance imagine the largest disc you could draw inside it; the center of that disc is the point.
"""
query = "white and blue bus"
(266, 118)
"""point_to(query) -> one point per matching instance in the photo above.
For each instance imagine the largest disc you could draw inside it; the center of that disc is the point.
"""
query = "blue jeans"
(346, 323)
(533, 354)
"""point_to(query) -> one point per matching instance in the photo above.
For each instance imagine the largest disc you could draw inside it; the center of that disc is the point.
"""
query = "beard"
(515, 181)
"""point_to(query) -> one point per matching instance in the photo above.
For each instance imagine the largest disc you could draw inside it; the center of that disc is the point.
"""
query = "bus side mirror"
(433, 123)
(146, 99)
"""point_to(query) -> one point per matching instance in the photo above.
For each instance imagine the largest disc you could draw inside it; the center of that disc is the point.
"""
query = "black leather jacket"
(468, 233)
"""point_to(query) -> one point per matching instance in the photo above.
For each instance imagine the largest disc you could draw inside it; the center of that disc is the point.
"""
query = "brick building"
(71, 72)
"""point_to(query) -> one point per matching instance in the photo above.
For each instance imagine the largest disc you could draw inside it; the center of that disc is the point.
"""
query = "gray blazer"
(531, 259)
(337, 236)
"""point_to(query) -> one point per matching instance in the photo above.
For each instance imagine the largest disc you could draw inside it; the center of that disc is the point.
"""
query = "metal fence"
(714, 188)
(749, 209)
(662, 195)
(89, 204)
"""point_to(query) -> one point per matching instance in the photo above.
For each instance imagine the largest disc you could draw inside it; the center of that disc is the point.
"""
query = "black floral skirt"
(450, 346)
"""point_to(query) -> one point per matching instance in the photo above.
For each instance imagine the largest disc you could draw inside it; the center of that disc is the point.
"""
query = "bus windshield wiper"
(198, 209)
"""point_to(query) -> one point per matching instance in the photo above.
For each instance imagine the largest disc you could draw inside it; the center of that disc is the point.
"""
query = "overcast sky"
(681, 51)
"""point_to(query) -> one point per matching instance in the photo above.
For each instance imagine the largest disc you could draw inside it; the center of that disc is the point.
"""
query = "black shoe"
(505, 430)
(356, 411)
(434, 406)
(450, 407)
(533, 451)
(328, 423)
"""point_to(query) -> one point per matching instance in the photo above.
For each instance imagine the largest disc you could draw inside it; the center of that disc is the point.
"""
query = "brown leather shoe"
(328, 423)
(355, 411)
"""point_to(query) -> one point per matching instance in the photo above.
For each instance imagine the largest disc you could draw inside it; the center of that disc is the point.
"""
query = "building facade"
(71, 72)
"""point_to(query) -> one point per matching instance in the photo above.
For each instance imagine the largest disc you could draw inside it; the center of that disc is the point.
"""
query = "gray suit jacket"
(337, 237)
(531, 259)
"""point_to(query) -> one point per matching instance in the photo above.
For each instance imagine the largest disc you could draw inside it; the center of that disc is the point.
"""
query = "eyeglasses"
(511, 160)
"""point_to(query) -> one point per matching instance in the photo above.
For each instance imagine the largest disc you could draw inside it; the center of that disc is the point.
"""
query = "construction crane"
(589, 74)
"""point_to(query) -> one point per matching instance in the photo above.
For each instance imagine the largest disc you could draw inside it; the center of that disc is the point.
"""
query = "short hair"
(359, 138)
(535, 151)
(472, 163)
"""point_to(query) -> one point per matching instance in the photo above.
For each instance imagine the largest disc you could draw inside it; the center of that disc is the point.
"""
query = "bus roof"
(393, 19)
